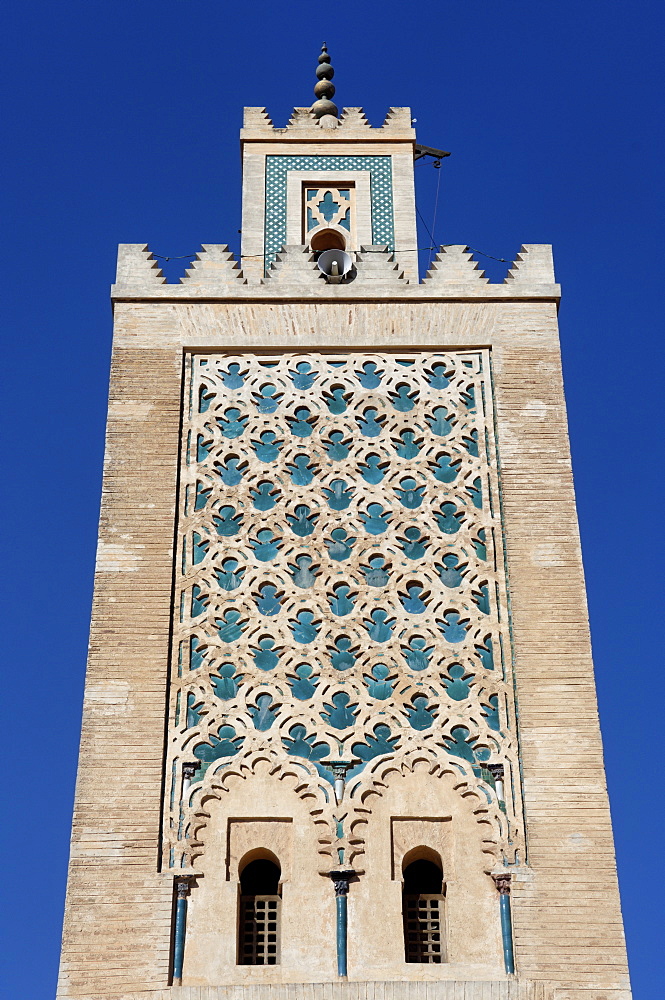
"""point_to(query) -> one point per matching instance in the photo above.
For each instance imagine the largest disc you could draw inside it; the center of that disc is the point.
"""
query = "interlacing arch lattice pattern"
(340, 590)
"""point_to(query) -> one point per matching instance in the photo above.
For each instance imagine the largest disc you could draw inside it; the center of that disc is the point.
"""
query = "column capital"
(340, 767)
(502, 883)
(183, 884)
(340, 880)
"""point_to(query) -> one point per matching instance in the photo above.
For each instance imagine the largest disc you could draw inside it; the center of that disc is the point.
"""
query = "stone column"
(502, 883)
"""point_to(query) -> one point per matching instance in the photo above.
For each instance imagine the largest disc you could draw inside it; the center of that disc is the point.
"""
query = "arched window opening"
(423, 898)
(260, 912)
(327, 239)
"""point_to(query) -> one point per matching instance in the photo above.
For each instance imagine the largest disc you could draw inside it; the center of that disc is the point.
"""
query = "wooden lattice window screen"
(424, 928)
(259, 930)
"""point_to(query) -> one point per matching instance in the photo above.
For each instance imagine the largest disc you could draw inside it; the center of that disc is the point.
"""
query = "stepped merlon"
(378, 272)
(533, 265)
(352, 124)
(214, 269)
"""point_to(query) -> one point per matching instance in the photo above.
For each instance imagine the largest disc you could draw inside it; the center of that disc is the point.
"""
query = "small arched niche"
(423, 907)
(327, 239)
(260, 909)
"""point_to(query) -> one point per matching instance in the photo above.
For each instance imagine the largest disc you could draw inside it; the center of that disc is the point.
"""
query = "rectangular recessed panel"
(339, 572)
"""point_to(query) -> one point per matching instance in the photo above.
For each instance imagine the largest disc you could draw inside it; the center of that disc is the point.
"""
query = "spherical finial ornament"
(324, 89)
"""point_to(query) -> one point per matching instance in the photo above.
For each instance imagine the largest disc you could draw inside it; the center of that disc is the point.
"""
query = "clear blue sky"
(121, 122)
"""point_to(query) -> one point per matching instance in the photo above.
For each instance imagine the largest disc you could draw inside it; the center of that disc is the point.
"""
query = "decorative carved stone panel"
(329, 207)
(340, 593)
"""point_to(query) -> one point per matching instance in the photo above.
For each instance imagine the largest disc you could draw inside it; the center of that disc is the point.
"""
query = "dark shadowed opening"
(422, 877)
(423, 913)
(260, 878)
(260, 912)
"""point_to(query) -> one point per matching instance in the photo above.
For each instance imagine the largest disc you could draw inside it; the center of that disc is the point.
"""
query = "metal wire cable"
(433, 246)
(430, 233)
(436, 206)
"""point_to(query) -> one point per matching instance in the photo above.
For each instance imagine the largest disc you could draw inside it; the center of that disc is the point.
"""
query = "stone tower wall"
(567, 922)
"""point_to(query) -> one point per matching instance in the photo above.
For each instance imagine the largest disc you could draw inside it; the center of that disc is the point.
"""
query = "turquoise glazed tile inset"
(381, 193)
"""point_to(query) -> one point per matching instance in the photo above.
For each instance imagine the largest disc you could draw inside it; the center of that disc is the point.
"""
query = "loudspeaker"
(335, 264)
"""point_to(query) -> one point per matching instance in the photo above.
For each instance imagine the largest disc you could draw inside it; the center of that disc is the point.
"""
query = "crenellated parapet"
(377, 273)
(352, 124)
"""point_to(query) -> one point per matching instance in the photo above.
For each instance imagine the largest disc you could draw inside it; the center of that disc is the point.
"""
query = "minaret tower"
(340, 733)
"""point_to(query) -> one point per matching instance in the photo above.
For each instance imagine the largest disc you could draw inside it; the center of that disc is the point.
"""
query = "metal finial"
(324, 89)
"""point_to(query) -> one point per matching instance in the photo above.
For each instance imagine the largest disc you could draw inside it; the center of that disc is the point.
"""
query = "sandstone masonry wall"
(568, 933)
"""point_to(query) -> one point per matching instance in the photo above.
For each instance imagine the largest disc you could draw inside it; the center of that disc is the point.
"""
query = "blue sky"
(121, 124)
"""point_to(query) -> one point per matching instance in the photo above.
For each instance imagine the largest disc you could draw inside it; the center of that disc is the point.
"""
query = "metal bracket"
(438, 154)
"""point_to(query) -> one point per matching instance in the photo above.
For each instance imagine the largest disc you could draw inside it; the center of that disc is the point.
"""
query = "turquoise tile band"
(381, 193)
